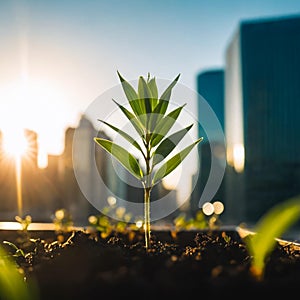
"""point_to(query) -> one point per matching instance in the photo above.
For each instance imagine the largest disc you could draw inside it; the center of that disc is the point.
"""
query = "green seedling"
(182, 222)
(267, 231)
(12, 284)
(118, 223)
(226, 237)
(152, 122)
(24, 235)
(17, 251)
(62, 220)
(24, 222)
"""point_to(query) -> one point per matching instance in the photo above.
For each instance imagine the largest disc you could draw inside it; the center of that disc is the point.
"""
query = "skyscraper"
(210, 88)
(210, 85)
(82, 164)
(262, 110)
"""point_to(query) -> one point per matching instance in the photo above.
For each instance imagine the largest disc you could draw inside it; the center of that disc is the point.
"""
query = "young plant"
(152, 123)
(12, 283)
(24, 222)
(24, 233)
(63, 220)
(267, 231)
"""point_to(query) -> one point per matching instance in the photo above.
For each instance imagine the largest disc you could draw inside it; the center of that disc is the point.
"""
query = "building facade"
(210, 88)
(262, 108)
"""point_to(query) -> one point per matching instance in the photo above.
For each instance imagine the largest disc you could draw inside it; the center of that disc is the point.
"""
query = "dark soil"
(82, 265)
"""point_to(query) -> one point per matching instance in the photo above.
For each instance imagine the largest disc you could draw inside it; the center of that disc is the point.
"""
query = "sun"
(14, 142)
(15, 145)
(37, 105)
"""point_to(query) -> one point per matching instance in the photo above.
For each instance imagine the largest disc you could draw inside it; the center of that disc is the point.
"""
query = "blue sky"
(75, 47)
(58, 56)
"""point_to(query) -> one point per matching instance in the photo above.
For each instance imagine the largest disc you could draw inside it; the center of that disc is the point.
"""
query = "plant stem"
(147, 216)
(147, 192)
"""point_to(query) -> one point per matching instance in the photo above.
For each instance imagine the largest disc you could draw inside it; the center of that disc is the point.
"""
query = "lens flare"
(15, 143)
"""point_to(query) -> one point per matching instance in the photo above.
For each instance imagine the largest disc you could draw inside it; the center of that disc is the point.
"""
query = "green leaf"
(132, 96)
(166, 95)
(145, 95)
(123, 156)
(132, 118)
(124, 135)
(173, 162)
(156, 116)
(18, 251)
(11, 245)
(168, 144)
(153, 88)
(270, 227)
(13, 286)
(164, 125)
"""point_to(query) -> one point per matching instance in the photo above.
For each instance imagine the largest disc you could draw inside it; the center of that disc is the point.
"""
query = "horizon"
(58, 57)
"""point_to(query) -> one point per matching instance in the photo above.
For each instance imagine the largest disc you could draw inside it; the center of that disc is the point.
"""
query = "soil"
(83, 265)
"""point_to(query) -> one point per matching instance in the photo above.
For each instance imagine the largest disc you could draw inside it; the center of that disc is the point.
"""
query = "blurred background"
(57, 57)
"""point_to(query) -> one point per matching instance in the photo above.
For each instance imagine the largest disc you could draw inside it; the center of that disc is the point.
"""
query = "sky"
(58, 56)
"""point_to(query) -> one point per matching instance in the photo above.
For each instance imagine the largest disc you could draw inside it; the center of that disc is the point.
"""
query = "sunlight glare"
(171, 181)
(218, 207)
(38, 105)
(42, 158)
(139, 223)
(15, 143)
(208, 208)
(239, 157)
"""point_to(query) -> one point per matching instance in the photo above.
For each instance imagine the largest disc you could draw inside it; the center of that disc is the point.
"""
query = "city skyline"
(61, 57)
(83, 180)
(58, 57)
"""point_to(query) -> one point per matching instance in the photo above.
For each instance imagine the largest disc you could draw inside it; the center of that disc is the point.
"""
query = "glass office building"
(210, 88)
(262, 109)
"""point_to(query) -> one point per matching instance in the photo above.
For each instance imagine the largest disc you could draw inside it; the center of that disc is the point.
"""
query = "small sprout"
(106, 225)
(200, 216)
(212, 222)
(213, 210)
(104, 222)
(62, 220)
(18, 252)
(121, 227)
(24, 222)
(200, 221)
(269, 228)
(226, 237)
(182, 223)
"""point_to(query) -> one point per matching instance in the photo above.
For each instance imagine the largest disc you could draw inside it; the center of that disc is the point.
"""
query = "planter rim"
(34, 226)
(243, 232)
(44, 226)
(38, 226)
